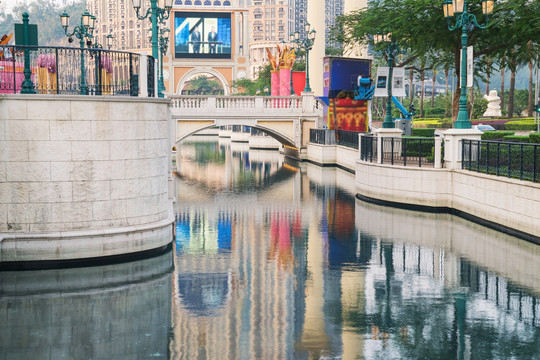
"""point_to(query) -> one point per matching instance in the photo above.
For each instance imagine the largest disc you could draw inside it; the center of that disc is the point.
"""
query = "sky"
(7, 5)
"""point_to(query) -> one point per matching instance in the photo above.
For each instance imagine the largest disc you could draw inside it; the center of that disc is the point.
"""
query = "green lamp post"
(306, 44)
(159, 11)
(465, 21)
(83, 32)
(391, 51)
(163, 46)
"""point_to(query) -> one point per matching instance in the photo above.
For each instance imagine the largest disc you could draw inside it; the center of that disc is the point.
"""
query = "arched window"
(226, 3)
(217, 3)
(188, 2)
(178, 2)
(207, 3)
(198, 2)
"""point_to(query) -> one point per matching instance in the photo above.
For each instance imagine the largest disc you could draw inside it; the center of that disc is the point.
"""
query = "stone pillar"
(245, 36)
(143, 76)
(452, 145)
(316, 18)
(237, 32)
(382, 133)
(437, 154)
(354, 51)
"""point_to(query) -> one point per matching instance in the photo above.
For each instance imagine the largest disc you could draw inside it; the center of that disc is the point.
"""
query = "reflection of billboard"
(202, 35)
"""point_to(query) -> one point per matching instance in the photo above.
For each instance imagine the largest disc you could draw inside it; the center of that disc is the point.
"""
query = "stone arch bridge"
(288, 119)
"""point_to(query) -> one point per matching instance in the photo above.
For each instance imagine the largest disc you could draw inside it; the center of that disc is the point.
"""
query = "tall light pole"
(465, 21)
(391, 51)
(163, 45)
(159, 11)
(306, 44)
(83, 32)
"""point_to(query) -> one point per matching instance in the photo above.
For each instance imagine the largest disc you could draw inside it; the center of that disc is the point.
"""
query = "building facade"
(118, 18)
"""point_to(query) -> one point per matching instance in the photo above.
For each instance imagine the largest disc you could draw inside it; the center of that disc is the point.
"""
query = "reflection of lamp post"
(159, 11)
(466, 21)
(306, 44)
(390, 51)
(163, 45)
(81, 32)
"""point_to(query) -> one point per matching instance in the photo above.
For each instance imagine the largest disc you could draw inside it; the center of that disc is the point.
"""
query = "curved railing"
(73, 71)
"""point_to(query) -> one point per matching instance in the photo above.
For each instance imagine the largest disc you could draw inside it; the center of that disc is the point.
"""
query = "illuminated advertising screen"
(202, 35)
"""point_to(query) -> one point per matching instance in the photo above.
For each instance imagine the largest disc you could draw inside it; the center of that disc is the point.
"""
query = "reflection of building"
(208, 38)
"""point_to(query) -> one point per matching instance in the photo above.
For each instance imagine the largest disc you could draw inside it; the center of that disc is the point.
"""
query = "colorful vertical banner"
(398, 82)
(381, 86)
(348, 114)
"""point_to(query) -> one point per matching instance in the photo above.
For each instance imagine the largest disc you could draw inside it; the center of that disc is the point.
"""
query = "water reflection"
(291, 266)
(120, 311)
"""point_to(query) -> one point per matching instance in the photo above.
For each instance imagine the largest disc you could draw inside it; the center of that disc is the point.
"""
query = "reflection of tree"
(202, 85)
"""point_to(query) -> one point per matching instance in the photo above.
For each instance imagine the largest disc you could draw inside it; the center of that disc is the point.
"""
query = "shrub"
(520, 125)
(496, 135)
(534, 138)
(435, 123)
(497, 124)
(416, 146)
(434, 111)
(516, 138)
(423, 132)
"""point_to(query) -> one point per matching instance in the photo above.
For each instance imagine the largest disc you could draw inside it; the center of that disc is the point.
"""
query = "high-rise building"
(118, 18)
(271, 22)
(334, 8)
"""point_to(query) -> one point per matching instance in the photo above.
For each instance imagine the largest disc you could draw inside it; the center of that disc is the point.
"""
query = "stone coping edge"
(91, 233)
(85, 98)
(452, 211)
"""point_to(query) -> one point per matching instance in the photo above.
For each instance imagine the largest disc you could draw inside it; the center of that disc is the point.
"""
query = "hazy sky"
(7, 5)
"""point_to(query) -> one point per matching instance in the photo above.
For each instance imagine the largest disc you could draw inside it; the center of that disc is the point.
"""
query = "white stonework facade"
(83, 173)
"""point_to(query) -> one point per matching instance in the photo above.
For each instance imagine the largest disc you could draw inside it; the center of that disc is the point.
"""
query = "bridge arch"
(280, 137)
(201, 71)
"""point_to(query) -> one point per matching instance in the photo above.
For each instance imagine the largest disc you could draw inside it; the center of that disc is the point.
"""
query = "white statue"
(494, 104)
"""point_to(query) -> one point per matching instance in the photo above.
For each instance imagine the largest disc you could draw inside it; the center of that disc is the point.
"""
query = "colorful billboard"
(340, 78)
(204, 35)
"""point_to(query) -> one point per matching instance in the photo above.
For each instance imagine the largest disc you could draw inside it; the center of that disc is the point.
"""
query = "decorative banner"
(398, 83)
(470, 66)
(274, 90)
(381, 86)
(284, 82)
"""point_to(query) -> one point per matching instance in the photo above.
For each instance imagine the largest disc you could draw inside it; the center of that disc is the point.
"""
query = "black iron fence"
(317, 136)
(368, 148)
(75, 71)
(513, 160)
(408, 151)
(347, 138)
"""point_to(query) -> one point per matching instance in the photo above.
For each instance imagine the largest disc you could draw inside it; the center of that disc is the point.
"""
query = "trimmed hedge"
(534, 138)
(494, 135)
(520, 125)
(427, 132)
(516, 138)
(415, 146)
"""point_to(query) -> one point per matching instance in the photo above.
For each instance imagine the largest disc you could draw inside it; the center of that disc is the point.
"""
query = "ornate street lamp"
(391, 51)
(159, 11)
(306, 44)
(83, 32)
(465, 21)
(163, 45)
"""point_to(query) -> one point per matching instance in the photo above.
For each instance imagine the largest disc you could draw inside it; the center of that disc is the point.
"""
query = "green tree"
(46, 14)
(203, 86)
(419, 27)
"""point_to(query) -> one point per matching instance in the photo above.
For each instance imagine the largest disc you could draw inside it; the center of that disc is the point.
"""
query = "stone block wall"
(82, 163)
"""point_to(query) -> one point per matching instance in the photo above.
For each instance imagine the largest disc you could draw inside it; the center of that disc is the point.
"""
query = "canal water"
(274, 259)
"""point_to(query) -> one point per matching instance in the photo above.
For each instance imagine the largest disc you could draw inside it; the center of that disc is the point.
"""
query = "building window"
(198, 2)
(226, 3)
(217, 3)
(207, 3)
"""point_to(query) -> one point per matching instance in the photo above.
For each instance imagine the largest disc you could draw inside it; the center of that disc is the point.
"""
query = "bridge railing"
(285, 103)
(75, 71)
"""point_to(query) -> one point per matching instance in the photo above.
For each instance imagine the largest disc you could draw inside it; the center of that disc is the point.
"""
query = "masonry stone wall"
(81, 163)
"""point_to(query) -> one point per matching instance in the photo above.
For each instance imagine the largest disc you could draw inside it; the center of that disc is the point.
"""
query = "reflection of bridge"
(287, 119)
